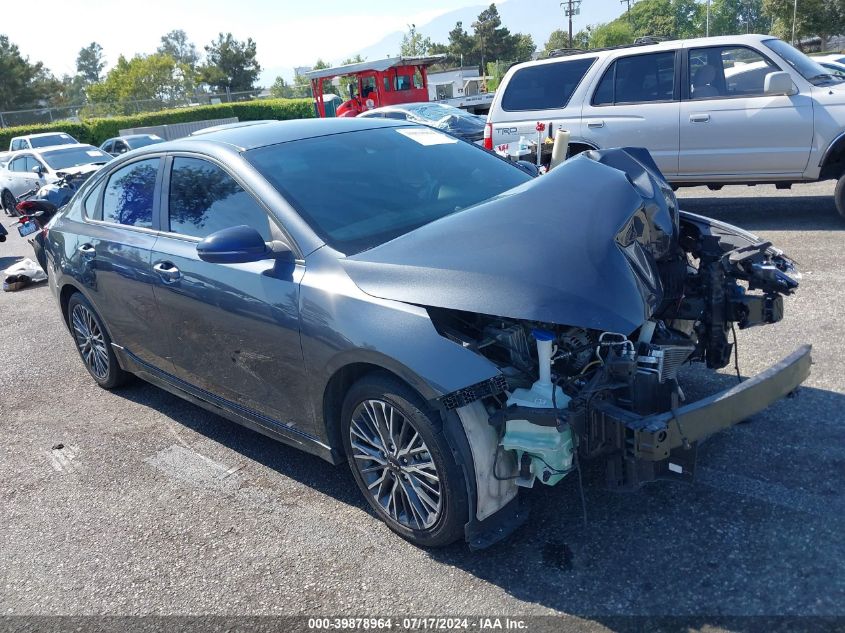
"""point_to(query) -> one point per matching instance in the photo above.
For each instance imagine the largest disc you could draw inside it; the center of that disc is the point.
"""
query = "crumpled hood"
(90, 168)
(552, 250)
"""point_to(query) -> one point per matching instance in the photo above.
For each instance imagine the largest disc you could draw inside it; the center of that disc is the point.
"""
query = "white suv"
(742, 109)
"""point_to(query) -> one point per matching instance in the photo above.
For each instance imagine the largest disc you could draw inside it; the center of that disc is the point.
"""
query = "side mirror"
(529, 167)
(38, 170)
(778, 83)
(238, 245)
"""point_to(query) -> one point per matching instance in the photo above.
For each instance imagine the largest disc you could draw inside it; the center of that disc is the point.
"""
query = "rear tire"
(93, 343)
(839, 196)
(402, 462)
(9, 202)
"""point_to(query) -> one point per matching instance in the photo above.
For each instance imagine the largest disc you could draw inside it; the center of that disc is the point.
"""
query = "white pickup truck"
(745, 109)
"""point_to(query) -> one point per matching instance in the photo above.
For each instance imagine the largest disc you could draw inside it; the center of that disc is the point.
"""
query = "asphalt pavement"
(154, 506)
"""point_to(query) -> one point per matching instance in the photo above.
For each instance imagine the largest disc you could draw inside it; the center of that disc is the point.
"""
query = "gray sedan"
(452, 328)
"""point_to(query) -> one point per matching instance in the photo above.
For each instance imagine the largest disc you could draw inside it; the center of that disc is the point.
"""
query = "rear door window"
(204, 199)
(638, 79)
(130, 193)
(544, 86)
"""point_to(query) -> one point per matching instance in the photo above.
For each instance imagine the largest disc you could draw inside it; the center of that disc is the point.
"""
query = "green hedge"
(95, 131)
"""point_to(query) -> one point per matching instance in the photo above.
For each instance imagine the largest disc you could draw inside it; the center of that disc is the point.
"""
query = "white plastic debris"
(27, 267)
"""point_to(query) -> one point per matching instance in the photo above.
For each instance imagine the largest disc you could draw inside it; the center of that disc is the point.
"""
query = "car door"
(234, 328)
(20, 177)
(112, 258)
(729, 127)
(636, 104)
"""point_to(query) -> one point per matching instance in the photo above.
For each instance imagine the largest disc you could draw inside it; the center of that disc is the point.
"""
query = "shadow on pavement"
(784, 213)
(758, 534)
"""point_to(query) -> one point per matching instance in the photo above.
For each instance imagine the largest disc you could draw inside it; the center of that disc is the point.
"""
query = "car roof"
(639, 49)
(131, 136)
(40, 134)
(229, 126)
(252, 137)
(58, 148)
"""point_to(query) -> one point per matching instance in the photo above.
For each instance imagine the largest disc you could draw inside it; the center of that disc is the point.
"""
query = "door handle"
(167, 271)
(87, 250)
(699, 118)
(595, 124)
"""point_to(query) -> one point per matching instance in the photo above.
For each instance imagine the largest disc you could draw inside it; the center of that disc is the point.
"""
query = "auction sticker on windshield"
(425, 136)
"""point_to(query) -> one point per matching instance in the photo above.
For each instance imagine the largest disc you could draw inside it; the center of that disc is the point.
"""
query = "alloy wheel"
(395, 464)
(90, 341)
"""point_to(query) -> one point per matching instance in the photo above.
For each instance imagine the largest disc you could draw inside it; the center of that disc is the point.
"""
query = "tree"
(230, 64)
(414, 44)
(524, 48)
(90, 63)
(730, 17)
(281, 89)
(495, 42)
(557, 39)
(176, 44)
(156, 77)
(822, 18)
(614, 33)
(22, 85)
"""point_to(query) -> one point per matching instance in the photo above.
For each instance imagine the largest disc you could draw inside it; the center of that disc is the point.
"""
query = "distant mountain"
(538, 18)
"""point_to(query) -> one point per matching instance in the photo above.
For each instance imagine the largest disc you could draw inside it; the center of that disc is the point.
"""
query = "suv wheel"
(839, 195)
(93, 343)
(402, 462)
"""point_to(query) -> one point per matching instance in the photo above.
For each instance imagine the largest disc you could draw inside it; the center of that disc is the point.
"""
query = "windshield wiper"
(822, 77)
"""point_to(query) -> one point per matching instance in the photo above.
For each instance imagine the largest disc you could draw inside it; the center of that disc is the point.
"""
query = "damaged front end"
(588, 290)
(574, 391)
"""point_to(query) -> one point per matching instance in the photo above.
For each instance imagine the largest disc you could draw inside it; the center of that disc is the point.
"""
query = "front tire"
(9, 202)
(401, 461)
(839, 196)
(93, 343)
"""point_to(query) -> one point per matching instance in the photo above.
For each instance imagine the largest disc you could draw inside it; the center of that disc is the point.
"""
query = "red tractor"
(377, 83)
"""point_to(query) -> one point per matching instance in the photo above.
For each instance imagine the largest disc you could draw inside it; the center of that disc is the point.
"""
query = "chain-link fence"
(88, 110)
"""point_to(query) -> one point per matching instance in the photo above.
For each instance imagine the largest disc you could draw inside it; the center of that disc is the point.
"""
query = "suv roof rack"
(646, 40)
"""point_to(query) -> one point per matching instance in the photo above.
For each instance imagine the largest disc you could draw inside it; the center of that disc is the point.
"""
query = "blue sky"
(288, 32)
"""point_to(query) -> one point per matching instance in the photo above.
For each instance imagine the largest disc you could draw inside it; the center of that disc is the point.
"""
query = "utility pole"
(794, 16)
(573, 8)
(707, 28)
(628, 10)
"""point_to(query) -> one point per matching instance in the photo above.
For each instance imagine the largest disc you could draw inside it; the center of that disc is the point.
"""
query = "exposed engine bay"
(571, 391)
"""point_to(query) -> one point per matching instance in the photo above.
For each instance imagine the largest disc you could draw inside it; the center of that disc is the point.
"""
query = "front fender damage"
(570, 387)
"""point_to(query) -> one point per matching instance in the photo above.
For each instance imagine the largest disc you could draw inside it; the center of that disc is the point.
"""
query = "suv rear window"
(545, 86)
(638, 79)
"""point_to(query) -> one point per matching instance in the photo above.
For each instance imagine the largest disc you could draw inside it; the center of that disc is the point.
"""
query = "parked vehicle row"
(741, 109)
(451, 327)
(32, 169)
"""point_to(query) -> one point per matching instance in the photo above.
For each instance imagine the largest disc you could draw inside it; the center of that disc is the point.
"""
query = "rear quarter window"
(545, 86)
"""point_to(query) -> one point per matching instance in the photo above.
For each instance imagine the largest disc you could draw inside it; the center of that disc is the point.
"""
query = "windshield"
(73, 157)
(360, 189)
(812, 71)
(52, 139)
(447, 118)
(143, 141)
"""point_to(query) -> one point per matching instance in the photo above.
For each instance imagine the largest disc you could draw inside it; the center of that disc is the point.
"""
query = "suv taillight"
(488, 136)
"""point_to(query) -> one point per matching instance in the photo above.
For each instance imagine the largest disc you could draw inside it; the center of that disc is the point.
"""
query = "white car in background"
(746, 109)
(37, 141)
(29, 169)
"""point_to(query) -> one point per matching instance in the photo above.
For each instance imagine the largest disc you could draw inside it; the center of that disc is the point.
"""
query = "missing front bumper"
(643, 448)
